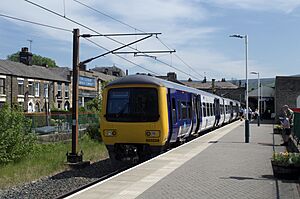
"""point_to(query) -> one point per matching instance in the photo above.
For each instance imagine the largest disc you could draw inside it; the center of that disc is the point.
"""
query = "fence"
(297, 126)
(61, 122)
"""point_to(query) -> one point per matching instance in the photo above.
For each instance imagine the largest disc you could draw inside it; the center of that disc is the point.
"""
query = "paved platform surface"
(216, 165)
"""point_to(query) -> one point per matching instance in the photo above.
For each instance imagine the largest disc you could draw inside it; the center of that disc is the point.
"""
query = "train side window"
(174, 116)
(184, 110)
(204, 109)
(189, 106)
(179, 110)
(208, 109)
(212, 109)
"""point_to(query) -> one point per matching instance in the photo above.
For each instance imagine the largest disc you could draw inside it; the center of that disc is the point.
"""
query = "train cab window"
(132, 105)
(204, 109)
(212, 110)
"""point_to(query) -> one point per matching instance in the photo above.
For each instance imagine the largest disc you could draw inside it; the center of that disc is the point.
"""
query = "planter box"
(290, 172)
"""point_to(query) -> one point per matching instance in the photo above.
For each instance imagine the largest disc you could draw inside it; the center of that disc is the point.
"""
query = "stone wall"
(287, 90)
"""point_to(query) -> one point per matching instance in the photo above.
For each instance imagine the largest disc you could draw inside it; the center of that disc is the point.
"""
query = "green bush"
(93, 131)
(16, 139)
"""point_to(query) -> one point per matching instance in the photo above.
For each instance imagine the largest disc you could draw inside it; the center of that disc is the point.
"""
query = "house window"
(30, 87)
(2, 86)
(46, 89)
(20, 87)
(59, 89)
(37, 89)
(59, 105)
(66, 90)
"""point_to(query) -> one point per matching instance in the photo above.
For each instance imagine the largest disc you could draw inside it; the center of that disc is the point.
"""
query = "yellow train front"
(134, 120)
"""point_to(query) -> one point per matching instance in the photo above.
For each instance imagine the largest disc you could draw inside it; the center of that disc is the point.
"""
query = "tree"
(16, 139)
(36, 60)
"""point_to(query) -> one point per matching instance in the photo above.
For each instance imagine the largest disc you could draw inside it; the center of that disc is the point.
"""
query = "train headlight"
(110, 133)
(152, 133)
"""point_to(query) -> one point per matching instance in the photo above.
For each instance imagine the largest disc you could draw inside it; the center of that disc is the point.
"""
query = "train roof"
(146, 79)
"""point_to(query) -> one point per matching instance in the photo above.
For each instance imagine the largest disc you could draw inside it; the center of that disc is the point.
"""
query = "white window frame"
(30, 87)
(67, 90)
(20, 82)
(59, 89)
(4, 93)
(36, 89)
(46, 89)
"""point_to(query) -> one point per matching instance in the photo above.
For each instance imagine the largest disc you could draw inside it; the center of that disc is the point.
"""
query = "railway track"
(68, 182)
(65, 183)
(92, 183)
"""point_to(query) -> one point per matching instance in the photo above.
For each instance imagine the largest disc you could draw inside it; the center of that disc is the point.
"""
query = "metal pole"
(247, 104)
(258, 100)
(73, 157)
(75, 91)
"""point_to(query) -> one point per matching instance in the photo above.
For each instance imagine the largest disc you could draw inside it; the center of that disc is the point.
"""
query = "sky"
(197, 29)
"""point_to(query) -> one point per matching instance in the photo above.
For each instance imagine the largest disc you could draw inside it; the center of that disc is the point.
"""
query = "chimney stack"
(25, 56)
(213, 86)
(172, 76)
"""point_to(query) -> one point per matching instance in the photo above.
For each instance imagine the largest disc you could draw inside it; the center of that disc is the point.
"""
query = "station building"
(222, 88)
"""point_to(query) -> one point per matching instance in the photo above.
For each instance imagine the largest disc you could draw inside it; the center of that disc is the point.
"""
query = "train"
(143, 116)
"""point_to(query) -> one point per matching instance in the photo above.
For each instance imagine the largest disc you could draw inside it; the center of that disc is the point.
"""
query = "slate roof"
(208, 85)
(22, 70)
(103, 76)
(65, 73)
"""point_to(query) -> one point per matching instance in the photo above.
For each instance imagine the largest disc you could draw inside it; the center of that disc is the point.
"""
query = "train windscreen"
(132, 105)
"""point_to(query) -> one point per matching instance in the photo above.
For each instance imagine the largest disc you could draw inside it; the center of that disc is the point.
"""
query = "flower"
(278, 126)
(286, 158)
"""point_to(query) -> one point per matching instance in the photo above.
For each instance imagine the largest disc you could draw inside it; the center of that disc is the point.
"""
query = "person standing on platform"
(286, 119)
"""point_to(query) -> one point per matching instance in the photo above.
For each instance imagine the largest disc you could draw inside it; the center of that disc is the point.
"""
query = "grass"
(47, 159)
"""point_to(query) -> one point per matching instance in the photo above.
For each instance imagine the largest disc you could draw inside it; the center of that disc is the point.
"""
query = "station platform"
(216, 165)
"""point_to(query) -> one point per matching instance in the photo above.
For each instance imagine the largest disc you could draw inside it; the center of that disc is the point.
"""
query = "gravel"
(55, 186)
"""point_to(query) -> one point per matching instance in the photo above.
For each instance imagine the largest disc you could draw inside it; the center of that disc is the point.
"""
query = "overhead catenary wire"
(138, 65)
(108, 16)
(58, 28)
(136, 29)
(88, 28)
(190, 67)
(35, 23)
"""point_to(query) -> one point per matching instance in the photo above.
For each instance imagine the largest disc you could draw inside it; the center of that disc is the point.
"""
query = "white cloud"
(286, 6)
(181, 22)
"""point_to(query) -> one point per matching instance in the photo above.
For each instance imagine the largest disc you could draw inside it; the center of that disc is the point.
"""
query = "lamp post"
(247, 133)
(258, 97)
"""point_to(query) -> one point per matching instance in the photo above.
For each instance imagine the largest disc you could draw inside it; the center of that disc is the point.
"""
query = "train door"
(217, 112)
(174, 115)
(222, 112)
(231, 111)
(199, 113)
(194, 115)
